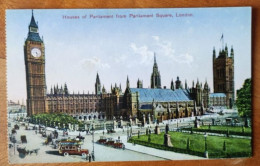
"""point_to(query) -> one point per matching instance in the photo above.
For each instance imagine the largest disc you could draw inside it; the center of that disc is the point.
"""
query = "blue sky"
(76, 49)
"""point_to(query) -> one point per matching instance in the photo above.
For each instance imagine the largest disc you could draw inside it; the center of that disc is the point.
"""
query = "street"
(47, 154)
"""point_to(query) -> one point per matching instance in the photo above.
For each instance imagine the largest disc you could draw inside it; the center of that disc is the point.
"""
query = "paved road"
(49, 155)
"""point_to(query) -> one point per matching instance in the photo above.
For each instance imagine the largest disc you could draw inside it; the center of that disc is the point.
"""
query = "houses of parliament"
(159, 102)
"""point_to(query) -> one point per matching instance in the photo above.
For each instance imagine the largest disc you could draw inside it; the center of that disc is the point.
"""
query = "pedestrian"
(118, 137)
(93, 157)
(103, 132)
(89, 158)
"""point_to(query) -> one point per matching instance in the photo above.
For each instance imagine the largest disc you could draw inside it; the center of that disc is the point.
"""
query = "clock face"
(36, 52)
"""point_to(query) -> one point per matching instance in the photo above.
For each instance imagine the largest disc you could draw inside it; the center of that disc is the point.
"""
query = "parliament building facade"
(156, 102)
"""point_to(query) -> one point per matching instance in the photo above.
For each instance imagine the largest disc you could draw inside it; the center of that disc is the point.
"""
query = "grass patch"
(235, 147)
(233, 130)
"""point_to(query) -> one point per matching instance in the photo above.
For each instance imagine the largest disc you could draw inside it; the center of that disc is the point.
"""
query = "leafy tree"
(244, 98)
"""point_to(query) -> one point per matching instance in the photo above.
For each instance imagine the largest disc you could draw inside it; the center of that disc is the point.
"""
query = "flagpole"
(222, 42)
(222, 39)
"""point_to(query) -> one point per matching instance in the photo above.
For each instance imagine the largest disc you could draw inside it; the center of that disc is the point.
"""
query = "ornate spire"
(154, 58)
(97, 85)
(66, 92)
(33, 23)
(214, 53)
(155, 77)
(172, 85)
(232, 52)
(127, 83)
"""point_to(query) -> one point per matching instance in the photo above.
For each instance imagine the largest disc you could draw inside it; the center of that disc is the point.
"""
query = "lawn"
(230, 128)
(233, 130)
(235, 147)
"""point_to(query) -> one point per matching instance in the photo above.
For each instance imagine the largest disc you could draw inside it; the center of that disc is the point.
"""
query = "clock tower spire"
(34, 57)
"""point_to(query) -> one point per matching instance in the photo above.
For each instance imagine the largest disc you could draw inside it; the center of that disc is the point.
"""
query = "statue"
(167, 128)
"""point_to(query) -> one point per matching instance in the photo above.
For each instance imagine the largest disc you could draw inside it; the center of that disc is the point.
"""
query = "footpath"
(157, 152)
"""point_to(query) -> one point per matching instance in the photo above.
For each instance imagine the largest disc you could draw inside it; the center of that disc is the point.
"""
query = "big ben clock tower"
(34, 57)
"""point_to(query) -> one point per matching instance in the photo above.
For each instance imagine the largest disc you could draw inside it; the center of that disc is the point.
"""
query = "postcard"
(95, 85)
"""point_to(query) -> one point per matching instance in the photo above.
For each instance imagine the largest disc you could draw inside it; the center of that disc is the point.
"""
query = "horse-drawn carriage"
(81, 138)
(110, 131)
(23, 151)
(14, 131)
(16, 127)
(23, 139)
(48, 140)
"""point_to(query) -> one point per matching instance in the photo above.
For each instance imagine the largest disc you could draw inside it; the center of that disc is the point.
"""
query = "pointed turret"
(232, 52)
(206, 86)
(139, 84)
(178, 83)
(198, 84)
(97, 85)
(226, 50)
(155, 76)
(127, 83)
(51, 90)
(66, 91)
(104, 90)
(214, 53)
(172, 85)
(33, 23)
(33, 34)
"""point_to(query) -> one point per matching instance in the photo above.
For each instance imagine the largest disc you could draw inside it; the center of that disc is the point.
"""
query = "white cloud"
(166, 49)
(93, 64)
(121, 58)
(155, 38)
(143, 51)
(184, 58)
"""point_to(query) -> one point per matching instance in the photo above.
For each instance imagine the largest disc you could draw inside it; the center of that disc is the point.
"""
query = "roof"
(161, 95)
(34, 37)
(146, 106)
(217, 95)
(33, 23)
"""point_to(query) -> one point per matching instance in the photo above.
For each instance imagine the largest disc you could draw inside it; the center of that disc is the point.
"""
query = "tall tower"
(223, 74)
(34, 57)
(97, 85)
(155, 77)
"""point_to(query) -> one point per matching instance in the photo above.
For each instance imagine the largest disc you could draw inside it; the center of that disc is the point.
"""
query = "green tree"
(244, 98)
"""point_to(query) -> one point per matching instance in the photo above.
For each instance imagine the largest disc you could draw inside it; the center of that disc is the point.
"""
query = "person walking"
(89, 158)
(93, 157)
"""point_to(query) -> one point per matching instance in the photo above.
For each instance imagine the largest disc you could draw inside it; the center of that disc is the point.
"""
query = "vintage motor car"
(118, 144)
(72, 147)
(110, 142)
(102, 140)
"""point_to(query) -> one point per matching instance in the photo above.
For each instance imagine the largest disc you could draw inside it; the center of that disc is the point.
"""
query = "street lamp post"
(206, 146)
(127, 131)
(14, 141)
(93, 130)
